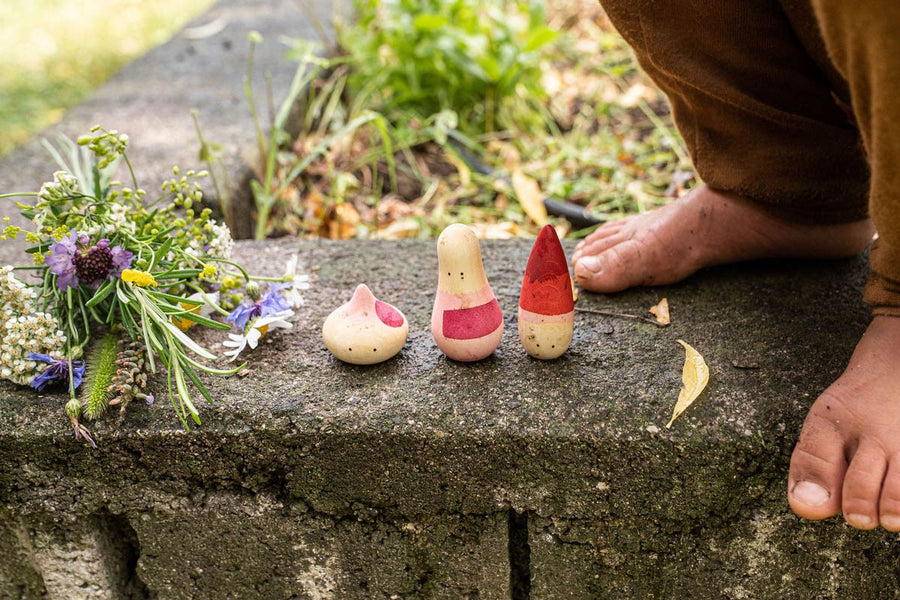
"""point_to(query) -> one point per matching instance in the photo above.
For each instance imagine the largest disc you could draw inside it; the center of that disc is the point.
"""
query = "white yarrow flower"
(23, 330)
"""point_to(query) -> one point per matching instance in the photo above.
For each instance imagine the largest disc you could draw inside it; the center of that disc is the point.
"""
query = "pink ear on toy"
(389, 315)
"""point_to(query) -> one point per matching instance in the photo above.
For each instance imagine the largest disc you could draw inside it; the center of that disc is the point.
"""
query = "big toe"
(817, 470)
(607, 271)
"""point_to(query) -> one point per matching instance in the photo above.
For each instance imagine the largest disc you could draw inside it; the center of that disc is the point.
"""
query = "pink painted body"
(467, 327)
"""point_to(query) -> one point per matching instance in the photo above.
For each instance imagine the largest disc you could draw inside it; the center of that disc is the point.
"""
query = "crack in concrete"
(519, 556)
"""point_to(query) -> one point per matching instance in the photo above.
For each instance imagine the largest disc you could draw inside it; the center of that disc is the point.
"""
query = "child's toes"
(817, 469)
(889, 503)
(862, 486)
(597, 246)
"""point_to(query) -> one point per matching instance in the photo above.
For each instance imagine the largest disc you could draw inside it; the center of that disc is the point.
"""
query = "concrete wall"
(425, 478)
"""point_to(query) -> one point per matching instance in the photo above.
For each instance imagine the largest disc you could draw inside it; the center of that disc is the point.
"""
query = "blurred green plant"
(422, 110)
(269, 188)
(478, 58)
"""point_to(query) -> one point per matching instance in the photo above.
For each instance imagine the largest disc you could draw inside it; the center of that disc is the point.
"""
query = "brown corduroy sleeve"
(863, 41)
(752, 101)
(882, 291)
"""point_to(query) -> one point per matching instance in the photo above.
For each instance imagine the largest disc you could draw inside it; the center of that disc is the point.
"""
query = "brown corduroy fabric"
(780, 102)
(863, 41)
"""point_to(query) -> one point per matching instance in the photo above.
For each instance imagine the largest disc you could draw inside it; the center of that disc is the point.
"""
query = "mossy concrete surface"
(423, 477)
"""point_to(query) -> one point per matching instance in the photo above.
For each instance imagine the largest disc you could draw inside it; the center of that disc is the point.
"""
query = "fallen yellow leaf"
(505, 230)
(529, 194)
(694, 377)
(405, 228)
(661, 312)
(465, 174)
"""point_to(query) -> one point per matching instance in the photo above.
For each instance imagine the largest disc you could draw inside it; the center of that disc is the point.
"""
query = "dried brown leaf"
(661, 312)
(495, 231)
(402, 229)
(343, 224)
(530, 197)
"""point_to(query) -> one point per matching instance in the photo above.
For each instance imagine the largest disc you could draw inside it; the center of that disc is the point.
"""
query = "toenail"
(857, 520)
(891, 522)
(810, 493)
(591, 263)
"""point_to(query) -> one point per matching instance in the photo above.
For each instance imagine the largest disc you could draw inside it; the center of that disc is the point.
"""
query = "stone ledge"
(571, 444)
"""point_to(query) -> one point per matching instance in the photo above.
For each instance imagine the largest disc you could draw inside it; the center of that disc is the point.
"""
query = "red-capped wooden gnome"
(546, 307)
(466, 322)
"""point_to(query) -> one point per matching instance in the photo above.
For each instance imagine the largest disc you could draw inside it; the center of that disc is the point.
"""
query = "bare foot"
(704, 228)
(848, 456)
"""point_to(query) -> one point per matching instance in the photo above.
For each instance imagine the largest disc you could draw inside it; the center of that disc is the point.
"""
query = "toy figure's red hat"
(547, 287)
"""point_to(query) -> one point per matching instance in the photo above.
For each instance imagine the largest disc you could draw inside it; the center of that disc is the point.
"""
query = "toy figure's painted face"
(459, 260)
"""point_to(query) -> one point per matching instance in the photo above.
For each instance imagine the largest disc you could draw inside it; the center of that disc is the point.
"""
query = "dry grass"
(56, 51)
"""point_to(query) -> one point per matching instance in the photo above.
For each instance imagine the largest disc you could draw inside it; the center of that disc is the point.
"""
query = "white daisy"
(254, 332)
(299, 283)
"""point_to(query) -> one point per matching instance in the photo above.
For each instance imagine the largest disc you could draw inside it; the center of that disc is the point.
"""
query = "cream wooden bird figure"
(366, 330)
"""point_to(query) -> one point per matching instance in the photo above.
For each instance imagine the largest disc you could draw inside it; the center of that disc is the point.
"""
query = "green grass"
(56, 51)
(567, 113)
(478, 58)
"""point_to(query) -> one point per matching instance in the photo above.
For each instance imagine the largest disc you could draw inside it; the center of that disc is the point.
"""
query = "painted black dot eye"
(553, 346)
(350, 349)
(538, 345)
(449, 275)
(374, 349)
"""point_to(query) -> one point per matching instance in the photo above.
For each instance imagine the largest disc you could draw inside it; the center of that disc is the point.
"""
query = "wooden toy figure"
(546, 307)
(365, 331)
(466, 322)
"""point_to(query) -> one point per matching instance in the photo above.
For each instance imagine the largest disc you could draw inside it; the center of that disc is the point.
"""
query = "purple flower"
(60, 261)
(57, 371)
(121, 260)
(272, 302)
(75, 264)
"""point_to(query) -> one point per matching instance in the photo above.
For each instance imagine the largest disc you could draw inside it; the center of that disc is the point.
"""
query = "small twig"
(616, 314)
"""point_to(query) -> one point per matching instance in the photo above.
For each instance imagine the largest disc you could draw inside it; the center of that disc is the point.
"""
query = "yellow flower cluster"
(139, 278)
(10, 232)
(209, 272)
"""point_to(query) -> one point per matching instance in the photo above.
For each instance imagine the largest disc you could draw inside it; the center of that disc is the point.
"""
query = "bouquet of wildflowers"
(118, 280)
